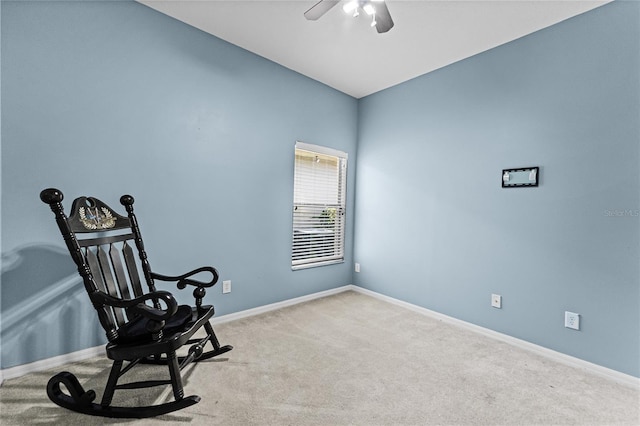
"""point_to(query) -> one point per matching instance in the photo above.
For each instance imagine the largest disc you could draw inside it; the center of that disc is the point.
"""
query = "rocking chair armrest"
(184, 280)
(138, 306)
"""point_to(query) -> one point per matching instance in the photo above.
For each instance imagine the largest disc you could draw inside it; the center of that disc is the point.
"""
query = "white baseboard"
(56, 361)
(279, 305)
(21, 370)
(565, 359)
(598, 370)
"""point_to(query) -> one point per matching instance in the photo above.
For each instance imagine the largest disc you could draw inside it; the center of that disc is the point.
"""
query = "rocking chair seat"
(136, 330)
(171, 340)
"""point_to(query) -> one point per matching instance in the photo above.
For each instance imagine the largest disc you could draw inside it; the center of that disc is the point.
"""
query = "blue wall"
(435, 228)
(106, 98)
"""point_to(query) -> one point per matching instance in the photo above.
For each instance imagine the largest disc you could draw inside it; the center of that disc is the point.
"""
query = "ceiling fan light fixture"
(369, 9)
(350, 6)
(374, 8)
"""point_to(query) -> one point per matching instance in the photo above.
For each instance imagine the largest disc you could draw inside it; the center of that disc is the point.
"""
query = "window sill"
(315, 264)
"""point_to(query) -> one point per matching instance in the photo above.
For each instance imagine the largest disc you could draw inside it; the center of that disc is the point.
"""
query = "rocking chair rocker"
(141, 327)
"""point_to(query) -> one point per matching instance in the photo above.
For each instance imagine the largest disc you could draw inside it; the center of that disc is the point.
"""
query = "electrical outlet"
(357, 267)
(496, 301)
(572, 320)
(226, 286)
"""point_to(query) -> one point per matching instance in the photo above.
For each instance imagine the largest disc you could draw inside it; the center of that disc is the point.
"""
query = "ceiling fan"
(377, 9)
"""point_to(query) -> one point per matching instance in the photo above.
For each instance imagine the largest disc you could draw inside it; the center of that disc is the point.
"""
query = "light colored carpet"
(351, 359)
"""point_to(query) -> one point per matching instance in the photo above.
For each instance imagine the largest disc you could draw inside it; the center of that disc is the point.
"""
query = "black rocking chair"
(142, 327)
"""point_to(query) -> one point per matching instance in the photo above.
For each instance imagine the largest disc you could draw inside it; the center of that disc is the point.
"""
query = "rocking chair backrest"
(105, 258)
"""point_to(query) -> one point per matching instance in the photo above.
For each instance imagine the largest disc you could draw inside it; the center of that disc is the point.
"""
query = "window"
(319, 194)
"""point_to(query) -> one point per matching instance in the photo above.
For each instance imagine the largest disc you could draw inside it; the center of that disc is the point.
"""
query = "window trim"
(342, 159)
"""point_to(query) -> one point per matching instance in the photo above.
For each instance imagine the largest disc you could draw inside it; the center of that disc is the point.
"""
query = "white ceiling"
(347, 54)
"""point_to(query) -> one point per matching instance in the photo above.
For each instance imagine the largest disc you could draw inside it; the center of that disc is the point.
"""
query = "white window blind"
(319, 194)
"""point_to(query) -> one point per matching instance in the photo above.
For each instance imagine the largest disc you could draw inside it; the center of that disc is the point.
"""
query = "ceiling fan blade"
(383, 18)
(319, 9)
